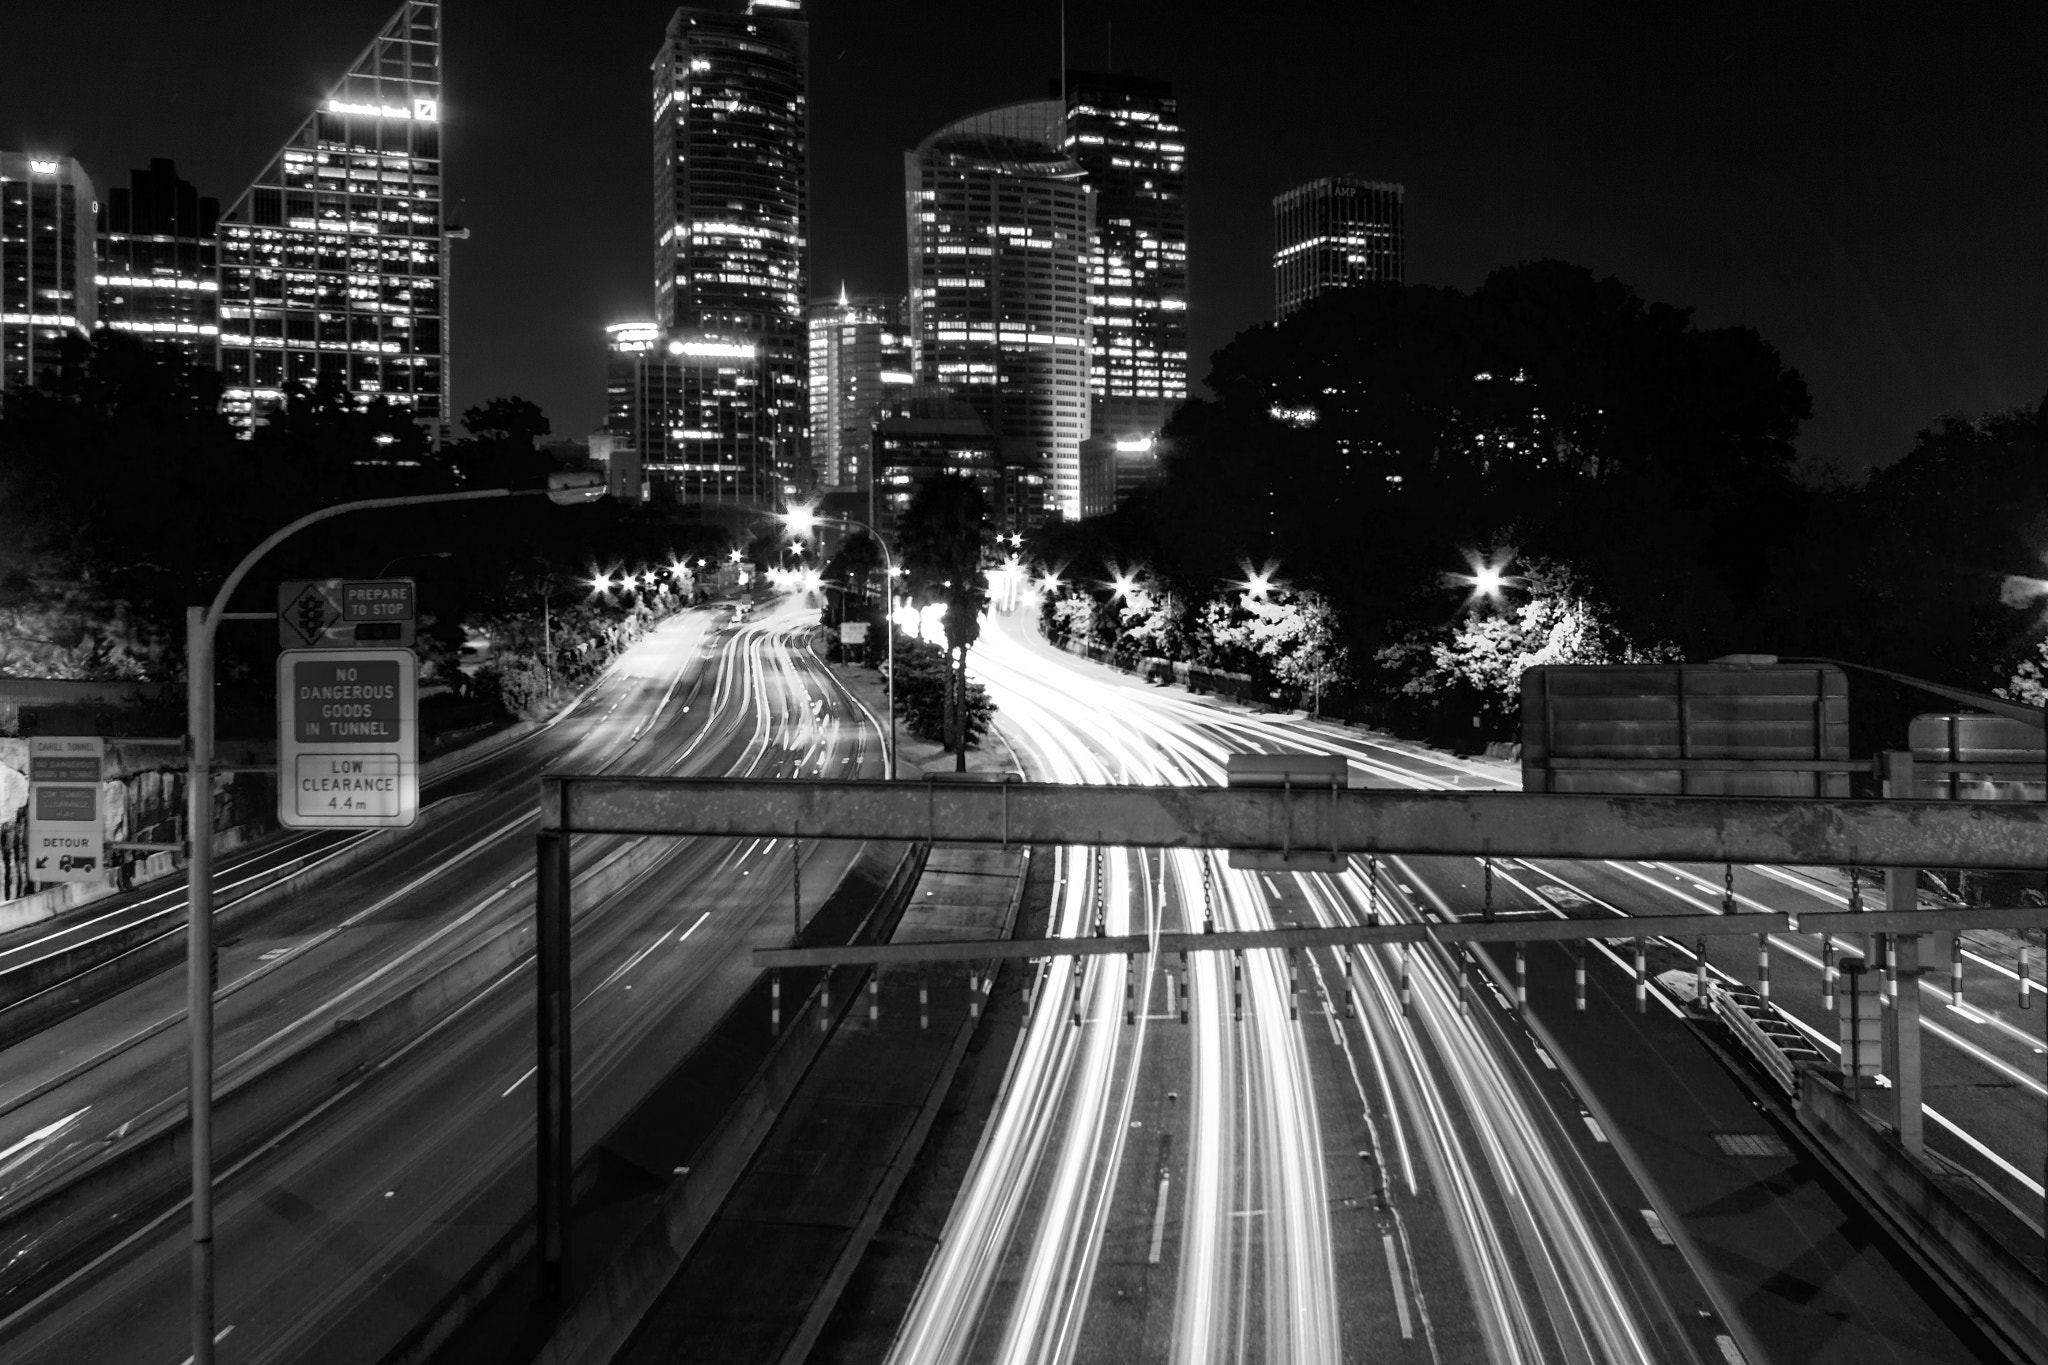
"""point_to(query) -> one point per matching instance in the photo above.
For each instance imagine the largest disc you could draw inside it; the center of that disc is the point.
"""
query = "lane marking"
(1593, 1127)
(521, 1081)
(1657, 1228)
(692, 929)
(1400, 1294)
(218, 1338)
(1730, 1352)
(1159, 1221)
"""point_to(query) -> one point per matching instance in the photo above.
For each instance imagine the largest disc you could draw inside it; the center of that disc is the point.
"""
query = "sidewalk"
(765, 1275)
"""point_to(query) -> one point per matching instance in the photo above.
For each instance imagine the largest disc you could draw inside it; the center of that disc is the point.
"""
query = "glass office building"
(1334, 232)
(158, 276)
(1000, 226)
(701, 421)
(732, 208)
(334, 261)
(1125, 132)
(46, 262)
(859, 351)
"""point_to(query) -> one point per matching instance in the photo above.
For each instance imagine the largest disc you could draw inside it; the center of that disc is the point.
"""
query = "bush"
(922, 674)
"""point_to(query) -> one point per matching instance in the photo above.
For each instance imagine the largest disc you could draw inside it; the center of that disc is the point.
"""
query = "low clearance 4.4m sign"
(347, 738)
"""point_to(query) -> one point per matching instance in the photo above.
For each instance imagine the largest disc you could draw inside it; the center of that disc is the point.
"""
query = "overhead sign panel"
(1686, 729)
(2015, 766)
(347, 738)
(344, 613)
(66, 825)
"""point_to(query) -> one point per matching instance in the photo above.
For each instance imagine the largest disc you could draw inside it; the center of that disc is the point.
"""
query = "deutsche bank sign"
(347, 738)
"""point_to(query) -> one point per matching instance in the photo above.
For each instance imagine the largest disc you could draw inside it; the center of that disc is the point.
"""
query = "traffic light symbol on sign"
(311, 614)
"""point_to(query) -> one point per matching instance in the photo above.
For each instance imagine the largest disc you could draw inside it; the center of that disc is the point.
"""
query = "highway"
(1323, 1173)
(1277, 1178)
(346, 1224)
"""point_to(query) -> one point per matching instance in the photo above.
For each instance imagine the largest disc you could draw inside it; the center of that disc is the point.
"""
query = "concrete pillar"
(1902, 1021)
(1904, 1026)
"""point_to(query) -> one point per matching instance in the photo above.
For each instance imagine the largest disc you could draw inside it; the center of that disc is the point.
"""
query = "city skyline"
(1669, 152)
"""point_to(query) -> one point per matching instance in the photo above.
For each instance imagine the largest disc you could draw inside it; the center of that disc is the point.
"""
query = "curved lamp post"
(200, 625)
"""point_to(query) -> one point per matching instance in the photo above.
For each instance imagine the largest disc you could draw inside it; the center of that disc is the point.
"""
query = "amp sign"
(348, 738)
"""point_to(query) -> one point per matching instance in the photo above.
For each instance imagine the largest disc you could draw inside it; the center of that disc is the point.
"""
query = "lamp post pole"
(200, 625)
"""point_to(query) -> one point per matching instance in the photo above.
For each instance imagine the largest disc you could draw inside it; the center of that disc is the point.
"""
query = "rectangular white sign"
(67, 835)
(347, 738)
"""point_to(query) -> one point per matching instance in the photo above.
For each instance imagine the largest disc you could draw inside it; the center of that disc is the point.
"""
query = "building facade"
(701, 420)
(1331, 233)
(334, 262)
(732, 204)
(158, 276)
(1000, 226)
(47, 209)
(1125, 132)
(859, 350)
(922, 431)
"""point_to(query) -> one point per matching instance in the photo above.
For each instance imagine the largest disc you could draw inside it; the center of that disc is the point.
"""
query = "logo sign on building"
(343, 613)
(347, 738)
(66, 826)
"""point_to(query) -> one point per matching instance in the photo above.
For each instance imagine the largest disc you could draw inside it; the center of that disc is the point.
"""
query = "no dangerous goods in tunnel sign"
(347, 738)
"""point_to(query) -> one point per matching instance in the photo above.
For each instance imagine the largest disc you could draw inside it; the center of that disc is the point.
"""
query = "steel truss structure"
(1319, 827)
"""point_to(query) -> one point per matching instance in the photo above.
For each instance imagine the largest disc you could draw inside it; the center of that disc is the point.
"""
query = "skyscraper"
(1333, 232)
(334, 261)
(46, 255)
(699, 423)
(1125, 132)
(732, 203)
(158, 276)
(858, 350)
(1000, 223)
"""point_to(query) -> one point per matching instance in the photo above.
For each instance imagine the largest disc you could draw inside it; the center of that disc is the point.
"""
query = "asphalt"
(768, 1271)
(1801, 1272)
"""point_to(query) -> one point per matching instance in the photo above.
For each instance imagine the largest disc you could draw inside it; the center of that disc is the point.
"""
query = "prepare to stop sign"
(348, 738)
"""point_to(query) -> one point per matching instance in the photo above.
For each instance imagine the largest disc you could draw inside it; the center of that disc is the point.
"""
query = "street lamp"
(200, 625)
(803, 521)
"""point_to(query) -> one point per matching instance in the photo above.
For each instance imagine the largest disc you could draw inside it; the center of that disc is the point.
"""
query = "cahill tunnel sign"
(347, 738)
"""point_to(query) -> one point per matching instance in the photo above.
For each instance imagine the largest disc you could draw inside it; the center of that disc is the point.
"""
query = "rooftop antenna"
(1109, 56)
(1063, 64)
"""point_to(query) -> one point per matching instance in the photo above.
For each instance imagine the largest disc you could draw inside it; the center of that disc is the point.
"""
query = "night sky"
(1862, 183)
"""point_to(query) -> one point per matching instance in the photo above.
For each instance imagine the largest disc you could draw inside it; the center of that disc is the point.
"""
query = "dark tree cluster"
(1383, 439)
(125, 497)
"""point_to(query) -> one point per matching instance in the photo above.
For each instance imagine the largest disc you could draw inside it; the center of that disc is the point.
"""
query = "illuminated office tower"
(1334, 232)
(731, 200)
(1000, 222)
(701, 421)
(1125, 132)
(334, 261)
(625, 344)
(158, 277)
(858, 352)
(46, 262)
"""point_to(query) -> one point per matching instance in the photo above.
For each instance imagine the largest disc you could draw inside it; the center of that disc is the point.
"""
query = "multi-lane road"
(346, 1224)
(1335, 1156)
(1374, 1153)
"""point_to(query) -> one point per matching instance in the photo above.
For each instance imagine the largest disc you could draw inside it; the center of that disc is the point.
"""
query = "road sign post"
(347, 738)
(66, 825)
